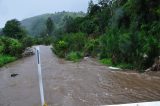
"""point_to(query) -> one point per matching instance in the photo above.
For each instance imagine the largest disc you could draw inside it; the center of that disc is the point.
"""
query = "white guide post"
(40, 75)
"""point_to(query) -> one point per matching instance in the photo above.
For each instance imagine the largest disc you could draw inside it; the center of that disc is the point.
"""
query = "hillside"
(36, 25)
(0, 31)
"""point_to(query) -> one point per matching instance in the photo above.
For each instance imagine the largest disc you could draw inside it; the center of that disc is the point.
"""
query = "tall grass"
(4, 59)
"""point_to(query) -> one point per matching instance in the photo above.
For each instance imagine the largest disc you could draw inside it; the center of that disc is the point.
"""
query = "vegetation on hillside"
(122, 33)
(36, 26)
(125, 32)
(13, 41)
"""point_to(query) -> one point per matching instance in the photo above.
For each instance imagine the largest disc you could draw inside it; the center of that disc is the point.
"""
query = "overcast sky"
(21, 9)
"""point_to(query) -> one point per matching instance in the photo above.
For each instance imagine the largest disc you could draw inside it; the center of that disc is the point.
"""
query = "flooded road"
(86, 83)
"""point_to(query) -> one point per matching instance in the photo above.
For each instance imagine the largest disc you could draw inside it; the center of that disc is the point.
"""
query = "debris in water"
(28, 52)
(86, 58)
(155, 66)
(114, 68)
(14, 75)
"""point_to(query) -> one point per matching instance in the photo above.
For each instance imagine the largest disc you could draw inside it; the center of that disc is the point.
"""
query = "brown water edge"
(86, 83)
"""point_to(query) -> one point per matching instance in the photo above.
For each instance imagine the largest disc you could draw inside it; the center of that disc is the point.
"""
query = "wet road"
(86, 83)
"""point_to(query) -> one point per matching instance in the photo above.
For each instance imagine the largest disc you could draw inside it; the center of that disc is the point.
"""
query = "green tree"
(50, 26)
(88, 27)
(1, 47)
(27, 41)
(103, 2)
(90, 6)
(95, 9)
(13, 29)
(68, 24)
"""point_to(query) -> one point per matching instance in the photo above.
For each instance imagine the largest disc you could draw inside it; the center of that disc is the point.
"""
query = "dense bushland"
(123, 33)
(13, 42)
(10, 50)
(74, 46)
(73, 42)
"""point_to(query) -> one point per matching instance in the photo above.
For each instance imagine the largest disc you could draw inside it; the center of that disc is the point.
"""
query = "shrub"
(27, 41)
(75, 41)
(12, 47)
(15, 48)
(62, 45)
(74, 56)
(47, 40)
(109, 44)
(151, 49)
(68, 43)
(125, 47)
(106, 62)
(120, 65)
(92, 47)
(4, 59)
(60, 48)
(1, 47)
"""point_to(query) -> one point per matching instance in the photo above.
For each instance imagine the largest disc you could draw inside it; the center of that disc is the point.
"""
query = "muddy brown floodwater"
(86, 83)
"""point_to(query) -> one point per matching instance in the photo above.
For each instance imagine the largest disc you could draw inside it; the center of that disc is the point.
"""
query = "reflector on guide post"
(40, 76)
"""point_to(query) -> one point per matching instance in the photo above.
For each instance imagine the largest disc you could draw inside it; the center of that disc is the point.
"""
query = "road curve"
(86, 83)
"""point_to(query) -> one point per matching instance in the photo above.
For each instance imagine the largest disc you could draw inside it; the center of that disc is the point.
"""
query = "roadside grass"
(4, 59)
(108, 62)
(74, 56)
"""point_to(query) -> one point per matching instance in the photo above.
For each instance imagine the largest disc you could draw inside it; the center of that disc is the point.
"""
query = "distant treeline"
(36, 26)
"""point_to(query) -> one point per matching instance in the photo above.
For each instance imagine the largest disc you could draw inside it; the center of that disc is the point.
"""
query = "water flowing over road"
(86, 83)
